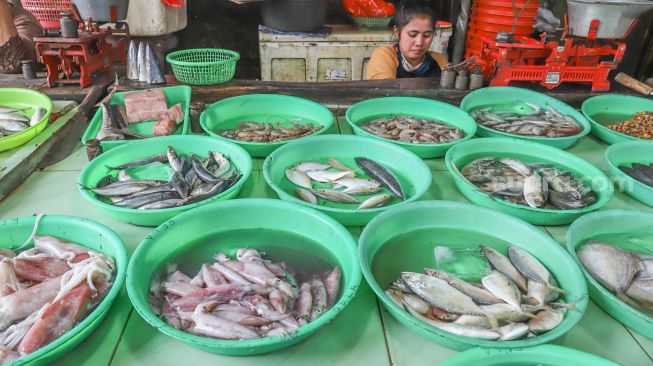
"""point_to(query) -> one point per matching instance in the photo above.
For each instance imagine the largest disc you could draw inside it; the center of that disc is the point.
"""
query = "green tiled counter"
(364, 334)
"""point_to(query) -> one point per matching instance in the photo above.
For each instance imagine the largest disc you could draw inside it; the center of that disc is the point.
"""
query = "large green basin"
(604, 110)
(626, 153)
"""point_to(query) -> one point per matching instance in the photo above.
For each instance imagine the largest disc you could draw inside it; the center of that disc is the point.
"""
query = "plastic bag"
(369, 8)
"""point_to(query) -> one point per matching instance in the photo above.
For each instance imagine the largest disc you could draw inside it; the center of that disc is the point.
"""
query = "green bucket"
(389, 107)
(263, 108)
(615, 223)
(297, 235)
(640, 151)
(199, 145)
(544, 355)
(81, 231)
(516, 98)
(412, 173)
(603, 110)
(174, 94)
(464, 153)
(402, 239)
(21, 98)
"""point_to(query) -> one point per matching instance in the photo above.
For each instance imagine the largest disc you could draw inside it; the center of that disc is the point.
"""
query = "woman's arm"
(383, 64)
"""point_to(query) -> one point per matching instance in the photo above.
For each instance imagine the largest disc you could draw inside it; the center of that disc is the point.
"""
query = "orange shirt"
(384, 62)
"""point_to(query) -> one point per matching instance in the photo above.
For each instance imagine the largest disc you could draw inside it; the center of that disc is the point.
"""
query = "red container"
(504, 11)
(518, 4)
(47, 12)
(523, 30)
(498, 19)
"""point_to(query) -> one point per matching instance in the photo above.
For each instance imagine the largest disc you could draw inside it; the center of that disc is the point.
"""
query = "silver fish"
(610, 265)
(502, 287)
(536, 190)
(173, 159)
(506, 312)
(13, 117)
(530, 267)
(161, 204)
(513, 331)
(116, 189)
(457, 329)
(353, 183)
(381, 174)
(38, 115)
(361, 191)
(299, 178)
(142, 63)
(153, 70)
(132, 61)
(306, 196)
(376, 201)
(546, 320)
(324, 176)
(479, 295)
(335, 196)
(340, 166)
(12, 126)
(311, 165)
(502, 264)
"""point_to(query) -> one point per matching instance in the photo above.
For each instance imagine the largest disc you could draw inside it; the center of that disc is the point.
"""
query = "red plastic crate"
(47, 11)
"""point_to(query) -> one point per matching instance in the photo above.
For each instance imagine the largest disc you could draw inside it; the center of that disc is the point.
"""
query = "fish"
(376, 201)
(415, 130)
(359, 191)
(381, 174)
(39, 114)
(544, 121)
(503, 288)
(479, 295)
(201, 171)
(132, 61)
(357, 183)
(305, 195)
(513, 331)
(457, 329)
(13, 117)
(140, 200)
(161, 158)
(545, 321)
(153, 70)
(12, 126)
(638, 174)
(502, 264)
(324, 176)
(335, 196)
(173, 159)
(339, 166)
(166, 203)
(299, 178)
(120, 188)
(4, 109)
(311, 165)
(179, 184)
(142, 63)
(531, 268)
(536, 190)
(440, 294)
(611, 266)
(641, 289)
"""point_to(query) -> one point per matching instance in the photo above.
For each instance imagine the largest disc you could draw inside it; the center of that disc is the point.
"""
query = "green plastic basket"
(203, 66)
(364, 23)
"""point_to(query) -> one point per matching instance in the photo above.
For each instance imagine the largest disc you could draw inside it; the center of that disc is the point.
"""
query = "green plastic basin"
(640, 151)
(502, 95)
(464, 153)
(263, 108)
(604, 110)
(412, 173)
(302, 237)
(402, 239)
(14, 232)
(389, 107)
(621, 226)
(20, 98)
(545, 355)
(199, 145)
(174, 94)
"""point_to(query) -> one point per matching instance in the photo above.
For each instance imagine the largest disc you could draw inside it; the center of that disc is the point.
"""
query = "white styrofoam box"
(154, 18)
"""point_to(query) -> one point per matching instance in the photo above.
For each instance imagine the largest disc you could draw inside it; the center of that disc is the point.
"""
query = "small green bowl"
(640, 151)
(174, 94)
(263, 108)
(603, 110)
(503, 95)
(464, 153)
(413, 174)
(200, 145)
(300, 236)
(389, 107)
(402, 239)
(81, 231)
(545, 355)
(613, 222)
(20, 98)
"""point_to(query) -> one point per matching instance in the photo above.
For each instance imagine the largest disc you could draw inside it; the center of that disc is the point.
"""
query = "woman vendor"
(413, 26)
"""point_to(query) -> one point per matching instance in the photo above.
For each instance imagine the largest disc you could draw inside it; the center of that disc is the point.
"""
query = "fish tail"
(569, 306)
(556, 289)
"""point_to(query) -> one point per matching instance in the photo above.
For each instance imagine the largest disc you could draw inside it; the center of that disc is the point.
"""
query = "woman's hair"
(408, 9)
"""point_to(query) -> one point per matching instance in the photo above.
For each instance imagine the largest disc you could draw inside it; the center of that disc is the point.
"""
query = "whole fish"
(503, 288)
(361, 191)
(479, 295)
(502, 264)
(354, 183)
(180, 185)
(173, 159)
(116, 189)
(306, 196)
(440, 294)
(531, 268)
(38, 115)
(545, 321)
(311, 165)
(324, 176)
(376, 201)
(12, 125)
(381, 174)
(202, 173)
(340, 166)
(161, 158)
(457, 329)
(610, 265)
(13, 117)
(535, 190)
(138, 201)
(299, 178)
(638, 174)
(513, 331)
(335, 196)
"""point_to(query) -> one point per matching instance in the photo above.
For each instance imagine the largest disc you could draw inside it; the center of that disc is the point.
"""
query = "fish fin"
(568, 306)
(556, 289)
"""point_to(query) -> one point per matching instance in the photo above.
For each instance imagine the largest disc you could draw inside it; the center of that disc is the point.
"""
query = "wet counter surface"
(364, 333)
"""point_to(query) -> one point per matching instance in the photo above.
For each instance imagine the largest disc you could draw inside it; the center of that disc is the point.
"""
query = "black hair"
(408, 9)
